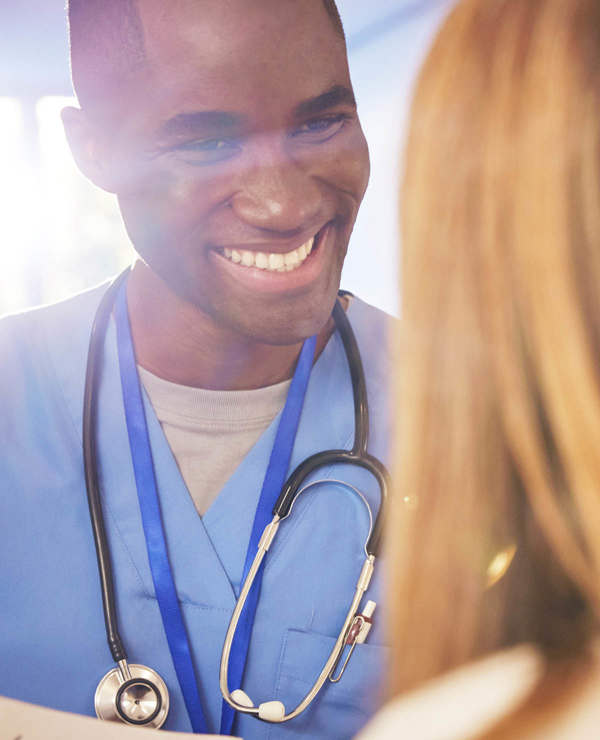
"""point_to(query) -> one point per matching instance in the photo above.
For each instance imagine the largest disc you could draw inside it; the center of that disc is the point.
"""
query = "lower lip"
(267, 281)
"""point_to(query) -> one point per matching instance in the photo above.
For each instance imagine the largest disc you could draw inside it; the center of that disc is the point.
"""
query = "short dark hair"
(107, 42)
(334, 14)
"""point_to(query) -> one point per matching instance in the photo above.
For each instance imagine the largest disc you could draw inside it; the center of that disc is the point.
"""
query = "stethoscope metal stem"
(263, 547)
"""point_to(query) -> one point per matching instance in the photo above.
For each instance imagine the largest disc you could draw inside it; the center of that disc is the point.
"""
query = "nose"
(276, 191)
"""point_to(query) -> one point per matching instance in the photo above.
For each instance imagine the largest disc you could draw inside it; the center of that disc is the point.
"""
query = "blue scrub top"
(53, 647)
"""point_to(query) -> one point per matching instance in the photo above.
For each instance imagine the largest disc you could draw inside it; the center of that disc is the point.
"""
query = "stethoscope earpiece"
(133, 694)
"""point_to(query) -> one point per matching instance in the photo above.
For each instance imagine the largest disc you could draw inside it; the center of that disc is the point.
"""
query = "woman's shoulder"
(463, 703)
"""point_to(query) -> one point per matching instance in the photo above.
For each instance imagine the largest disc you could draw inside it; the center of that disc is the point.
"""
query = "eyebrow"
(189, 123)
(336, 95)
(185, 123)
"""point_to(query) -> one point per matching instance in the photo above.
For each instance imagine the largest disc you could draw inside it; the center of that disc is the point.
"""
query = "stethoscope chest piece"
(133, 694)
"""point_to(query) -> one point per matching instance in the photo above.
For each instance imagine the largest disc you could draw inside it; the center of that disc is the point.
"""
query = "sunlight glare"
(87, 238)
(15, 189)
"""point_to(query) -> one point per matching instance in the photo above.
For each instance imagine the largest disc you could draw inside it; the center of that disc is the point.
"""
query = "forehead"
(240, 54)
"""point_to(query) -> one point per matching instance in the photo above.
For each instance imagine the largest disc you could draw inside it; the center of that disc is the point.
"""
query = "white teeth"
(291, 258)
(273, 262)
(247, 258)
(261, 260)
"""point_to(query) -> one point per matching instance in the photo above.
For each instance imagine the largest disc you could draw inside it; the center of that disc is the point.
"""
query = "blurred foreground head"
(499, 404)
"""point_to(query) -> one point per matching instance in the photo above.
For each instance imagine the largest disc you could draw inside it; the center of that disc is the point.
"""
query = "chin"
(288, 324)
(283, 319)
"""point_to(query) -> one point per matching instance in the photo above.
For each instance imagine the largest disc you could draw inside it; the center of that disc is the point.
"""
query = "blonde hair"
(499, 393)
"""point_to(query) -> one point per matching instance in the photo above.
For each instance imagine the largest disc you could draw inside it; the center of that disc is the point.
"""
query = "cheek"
(348, 167)
(358, 165)
(163, 208)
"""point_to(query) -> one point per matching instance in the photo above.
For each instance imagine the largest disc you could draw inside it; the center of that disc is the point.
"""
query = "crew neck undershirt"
(211, 432)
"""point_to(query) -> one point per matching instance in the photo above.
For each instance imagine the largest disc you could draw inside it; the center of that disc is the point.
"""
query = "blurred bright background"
(59, 234)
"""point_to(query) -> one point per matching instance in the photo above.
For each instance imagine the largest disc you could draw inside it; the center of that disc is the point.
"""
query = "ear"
(87, 149)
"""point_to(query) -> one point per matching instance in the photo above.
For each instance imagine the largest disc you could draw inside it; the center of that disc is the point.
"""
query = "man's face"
(241, 160)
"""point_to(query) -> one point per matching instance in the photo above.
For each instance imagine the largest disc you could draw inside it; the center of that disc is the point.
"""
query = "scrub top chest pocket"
(340, 708)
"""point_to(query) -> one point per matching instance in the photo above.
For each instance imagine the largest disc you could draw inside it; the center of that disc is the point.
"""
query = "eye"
(206, 151)
(321, 129)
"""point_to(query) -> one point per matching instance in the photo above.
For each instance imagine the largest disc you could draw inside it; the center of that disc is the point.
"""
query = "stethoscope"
(137, 695)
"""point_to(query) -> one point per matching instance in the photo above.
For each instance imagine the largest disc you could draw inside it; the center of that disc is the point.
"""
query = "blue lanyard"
(164, 586)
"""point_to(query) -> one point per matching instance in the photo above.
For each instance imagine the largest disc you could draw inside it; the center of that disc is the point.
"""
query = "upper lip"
(274, 247)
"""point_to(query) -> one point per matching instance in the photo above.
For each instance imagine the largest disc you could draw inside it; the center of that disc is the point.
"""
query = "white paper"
(21, 721)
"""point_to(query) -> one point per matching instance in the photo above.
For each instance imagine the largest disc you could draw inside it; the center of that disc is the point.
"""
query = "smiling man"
(229, 133)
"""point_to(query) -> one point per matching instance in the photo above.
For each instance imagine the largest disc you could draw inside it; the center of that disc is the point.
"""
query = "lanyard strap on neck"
(156, 545)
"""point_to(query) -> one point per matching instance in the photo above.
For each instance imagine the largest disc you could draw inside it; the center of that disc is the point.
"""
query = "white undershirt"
(211, 432)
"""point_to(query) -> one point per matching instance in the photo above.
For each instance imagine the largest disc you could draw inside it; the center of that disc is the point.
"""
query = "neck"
(176, 341)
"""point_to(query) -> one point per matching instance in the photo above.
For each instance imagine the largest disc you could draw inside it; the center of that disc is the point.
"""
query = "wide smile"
(273, 272)
(272, 261)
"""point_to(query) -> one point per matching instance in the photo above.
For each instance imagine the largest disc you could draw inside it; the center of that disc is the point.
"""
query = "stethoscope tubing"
(90, 463)
(293, 484)
(358, 455)
(357, 377)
